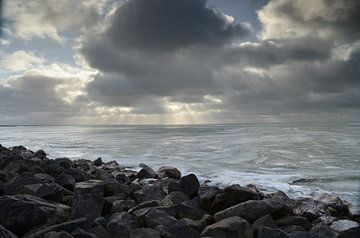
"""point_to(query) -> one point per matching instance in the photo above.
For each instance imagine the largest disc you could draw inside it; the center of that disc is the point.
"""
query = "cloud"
(20, 60)
(50, 18)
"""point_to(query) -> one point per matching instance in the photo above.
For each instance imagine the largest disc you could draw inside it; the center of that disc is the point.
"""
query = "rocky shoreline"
(41, 197)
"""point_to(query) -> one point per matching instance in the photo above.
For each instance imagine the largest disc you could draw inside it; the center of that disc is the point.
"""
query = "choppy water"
(303, 159)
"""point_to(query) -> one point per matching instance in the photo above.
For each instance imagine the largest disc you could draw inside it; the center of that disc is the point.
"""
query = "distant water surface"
(304, 159)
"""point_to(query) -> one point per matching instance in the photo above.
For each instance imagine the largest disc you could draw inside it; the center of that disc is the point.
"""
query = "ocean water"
(302, 159)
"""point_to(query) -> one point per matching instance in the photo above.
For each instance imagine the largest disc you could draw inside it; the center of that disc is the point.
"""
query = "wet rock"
(267, 232)
(120, 177)
(66, 163)
(80, 233)
(311, 209)
(336, 203)
(170, 172)
(120, 225)
(122, 205)
(266, 220)
(54, 234)
(146, 172)
(45, 178)
(40, 154)
(21, 213)
(231, 196)
(254, 209)
(175, 198)
(16, 184)
(68, 226)
(98, 162)
(324, 231)
(294, 220)
(343, 225)
(189, 184)
(66, 181)
(78, 174)
(112, 166)
(88, 199)
(4, 233)
(49, 191)
(108, 202)
(142, 205)
(207, 195)
(145, 233)
(149, 192)
(231, 227)
(182, 211)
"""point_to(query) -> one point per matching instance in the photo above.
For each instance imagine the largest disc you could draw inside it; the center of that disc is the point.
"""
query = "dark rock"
(108, 202)
(190, 184)
(145, 233)
(231, 227)
(179, 229)
(78, 174)
(49, 191)
(327, 220)
(267, 232)
(120, 225)
(112, 166)
(254, 209)
(100, 221)
(40, 154)
(54, 234)
(21, 213)
(335, 202)
(232, 195)
(113, 188)
(207, 195)
(53, 168)
(175, 198)
(146, 172)
(149, 192)
(80, 233)
(16, 184)
(324, 231)
(168, 171)
(98, 162)
(4, 233)
(294, 220)
(292, 228)
(350, 233)
(66, 181)
(68, 226)
(182, 211)
(99, 231)
(120, 177)
(312, 209)
(266, 220)
(66, 163)
(45, 178)
(122, 205)
(145, 204)
(88, 199)
(200, 224)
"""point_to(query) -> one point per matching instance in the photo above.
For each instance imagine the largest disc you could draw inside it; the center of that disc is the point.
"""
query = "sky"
(179, 61)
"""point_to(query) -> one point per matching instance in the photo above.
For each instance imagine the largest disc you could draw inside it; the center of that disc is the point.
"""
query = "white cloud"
(20, 60)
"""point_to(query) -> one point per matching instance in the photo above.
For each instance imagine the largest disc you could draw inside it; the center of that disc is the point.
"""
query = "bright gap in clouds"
(179, 61)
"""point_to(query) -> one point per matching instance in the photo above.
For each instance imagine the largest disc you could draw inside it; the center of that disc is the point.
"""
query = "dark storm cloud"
(162, 25)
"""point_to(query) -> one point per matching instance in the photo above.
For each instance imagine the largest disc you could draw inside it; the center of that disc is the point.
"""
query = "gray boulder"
(294, 220)
(145, 233)
(231, 227)
(88, 199)
(54, 234)
(170, 172)
(146, 172)
(207, 195)
(267, 232)
(4, 233)
(120, 225)
(189, 184)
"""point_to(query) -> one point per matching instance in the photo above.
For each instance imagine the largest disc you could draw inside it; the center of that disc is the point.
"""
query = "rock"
(112, 166)
(324, 231)
(146, 172)
(350, 233)
(66, 181)
(327, 220)
(254, 209)
(336, 203)
(66, 163)
(40, 154)
(266, 220)
(108, 202)
(88, 199)
(175, 198)
(120, 177)
(98, 162)
(189, 184)
(145, 204)
(45, 178)
(207, 195)
(4, 233)
(231, 227)
(168, 171)
(267, 232)
(68, 226)
(173, 185)
(232, 195)
(78, 174)
(149, 192)
(178, 229)
(120, 225)
(61, 234)
(100, 221)
(122, 205)
(343, 225)
(145, 233)
(311, 209)
(49, 191)
(80, 233)
(52, 168)
(99, 231)
(21, 213)
(16, 184)
(294, 220)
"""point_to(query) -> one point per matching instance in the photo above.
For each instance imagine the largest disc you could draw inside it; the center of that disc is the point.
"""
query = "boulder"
(343, 225)
(294, 220)
(254, 209)
(68, 226)
(267, 232)
(45, 178)
(112, 166)
(54, 234)
(266, 220)
(175, 198)
(98, 162)
(148, 192)
(122, 205)
(80, 233)
(189, 184)
(4, 233)
(231, 196)
(88, 199)
(146, 204)
(66, 181)
(49, 191)
(231, 227)
(120, 225)
(170, 172)
(312, 209)
(66, 163)
(182, 211)
(324, 231)
(120, 177)
(146, 172)
(207, 195)
(145, 233)
(78, 174)
(21, 213)
(16, 184)
(108, 202)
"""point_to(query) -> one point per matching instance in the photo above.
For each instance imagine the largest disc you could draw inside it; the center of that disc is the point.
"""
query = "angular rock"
(145, 233)
(16, 184)
(45, 178)
(54, 234)
(207, 195)
(120, 177)
(343, 225)
(80, 233)
(120, 225)
(146, 172)
(108, 202)
(122, 205)
(266, 220)
(88, 199)
(68, 226)
(231, 227)
(294, 220)
(189, 184)
(149, 192)
(231, 196)
(98, 162)
(21, 213)
(78, 174)
(170, 172)
(146, 204)
(66, 181)
(267, 232)
(324, 231)
(175, 198)
(4, 233)
(66, 163)
(49, 191)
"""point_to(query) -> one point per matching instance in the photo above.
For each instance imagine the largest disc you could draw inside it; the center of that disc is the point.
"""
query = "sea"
(301, 159)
